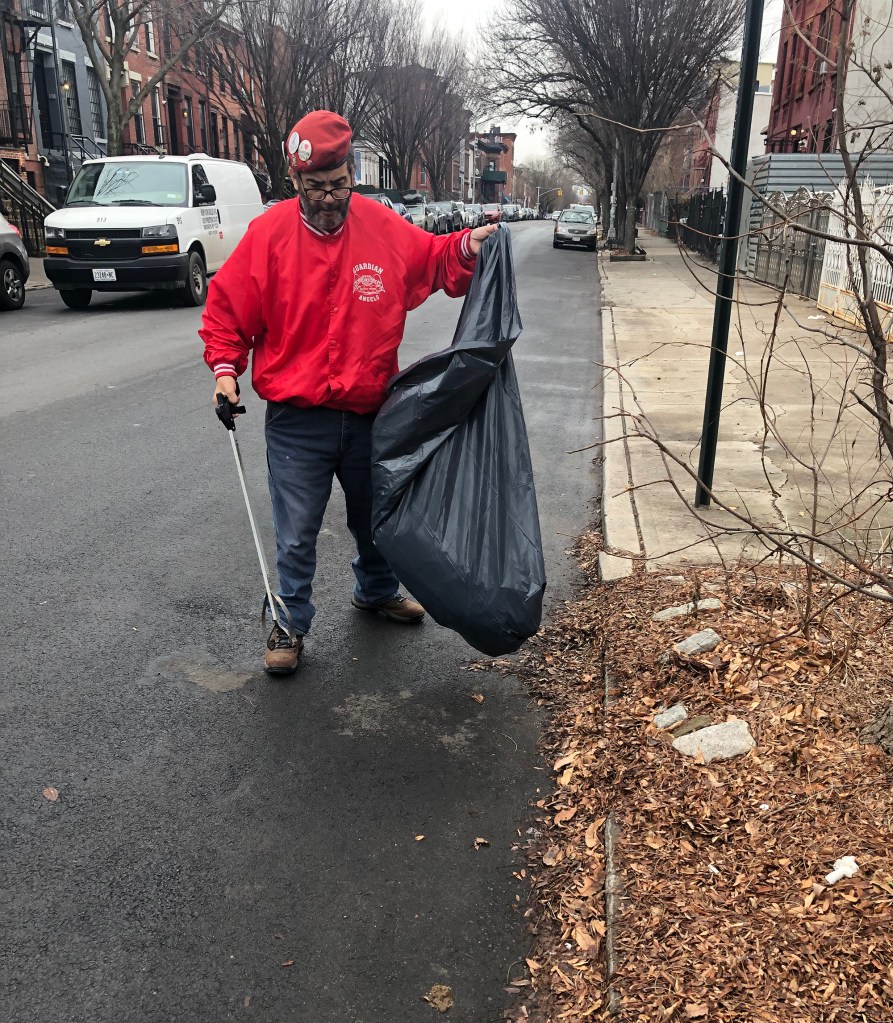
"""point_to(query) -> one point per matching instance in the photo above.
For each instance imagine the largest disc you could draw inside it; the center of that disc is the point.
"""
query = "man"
(319, 289)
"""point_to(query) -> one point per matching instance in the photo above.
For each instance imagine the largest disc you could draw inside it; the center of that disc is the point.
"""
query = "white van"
(141, 223)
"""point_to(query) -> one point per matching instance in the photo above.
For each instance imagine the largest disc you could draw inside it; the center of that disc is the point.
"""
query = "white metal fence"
(842, 279)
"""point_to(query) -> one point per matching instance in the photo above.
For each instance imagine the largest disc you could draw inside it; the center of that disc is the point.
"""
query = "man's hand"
(227, 387)
(479, 235)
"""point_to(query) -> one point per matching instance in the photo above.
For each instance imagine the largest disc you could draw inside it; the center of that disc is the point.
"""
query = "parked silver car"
(449, 216)
(575, 227)
(423, 217)
(476, 212)
(15, 269)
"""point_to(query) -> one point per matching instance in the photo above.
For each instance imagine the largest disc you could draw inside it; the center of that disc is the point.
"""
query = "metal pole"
(728, 253)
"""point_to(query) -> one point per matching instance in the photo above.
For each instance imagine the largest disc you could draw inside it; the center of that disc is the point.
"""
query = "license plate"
(104, 275)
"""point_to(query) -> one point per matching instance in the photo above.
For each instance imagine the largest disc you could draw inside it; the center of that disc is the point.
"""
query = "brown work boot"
(398, 609)
(282, 653)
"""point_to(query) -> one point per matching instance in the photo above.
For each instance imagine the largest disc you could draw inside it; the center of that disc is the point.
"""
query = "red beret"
(319, 141)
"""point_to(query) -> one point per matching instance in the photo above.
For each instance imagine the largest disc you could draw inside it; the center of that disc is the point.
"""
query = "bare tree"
(546, 178)
(367, 44)
(284, 48)
(111, 30)
(441, 145)
(588, 151)
(412, 93)
(628, 69)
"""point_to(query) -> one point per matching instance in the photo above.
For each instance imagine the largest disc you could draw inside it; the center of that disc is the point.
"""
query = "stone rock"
(700, 643)
(700, 721)
(668, 718)
(709, 604)
(718, 742)
(672, 578)
(713, 587)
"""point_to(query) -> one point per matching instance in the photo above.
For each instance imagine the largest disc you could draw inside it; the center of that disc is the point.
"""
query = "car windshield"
(576, 217)
(134, 183)
(443, 206)
(491, 206)
(416, 209)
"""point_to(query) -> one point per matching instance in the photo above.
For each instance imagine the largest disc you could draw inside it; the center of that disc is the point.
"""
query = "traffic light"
(560, 192)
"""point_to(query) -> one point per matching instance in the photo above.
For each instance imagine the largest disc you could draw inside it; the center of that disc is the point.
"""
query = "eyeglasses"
(319, 194)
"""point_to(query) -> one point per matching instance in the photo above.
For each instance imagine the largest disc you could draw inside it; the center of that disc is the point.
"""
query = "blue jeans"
(306, 447)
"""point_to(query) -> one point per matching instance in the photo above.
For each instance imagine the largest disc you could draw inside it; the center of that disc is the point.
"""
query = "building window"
(150, 35)
(224, 129)
(70, 92)
(237, 143)
(203, 124)
(97, 116)
(215, 138)
(190, 128)
(139, 124)
(157, 126)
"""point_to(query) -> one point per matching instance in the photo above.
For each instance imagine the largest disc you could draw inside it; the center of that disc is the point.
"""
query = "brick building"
(803, 108)
(494, 162)
(802, 113)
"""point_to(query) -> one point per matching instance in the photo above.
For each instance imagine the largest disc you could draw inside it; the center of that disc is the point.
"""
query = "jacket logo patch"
(367, 283)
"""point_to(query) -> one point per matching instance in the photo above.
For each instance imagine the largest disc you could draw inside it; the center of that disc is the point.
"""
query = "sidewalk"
(38, 278)
(657, 322)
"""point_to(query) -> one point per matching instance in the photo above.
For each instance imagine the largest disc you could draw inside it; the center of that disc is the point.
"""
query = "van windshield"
(134, 183)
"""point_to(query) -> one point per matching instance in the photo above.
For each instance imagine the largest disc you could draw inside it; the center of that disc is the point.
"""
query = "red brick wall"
(803, 97)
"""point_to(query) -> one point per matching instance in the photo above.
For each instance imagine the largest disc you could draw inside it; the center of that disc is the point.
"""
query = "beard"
(324, 216)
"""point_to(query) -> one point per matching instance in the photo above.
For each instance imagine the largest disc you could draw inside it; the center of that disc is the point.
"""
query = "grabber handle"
(226, 411)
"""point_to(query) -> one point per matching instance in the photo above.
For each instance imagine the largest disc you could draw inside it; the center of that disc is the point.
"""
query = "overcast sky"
(470, 16)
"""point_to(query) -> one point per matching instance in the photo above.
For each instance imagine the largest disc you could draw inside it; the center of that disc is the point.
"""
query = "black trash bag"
(454, 506)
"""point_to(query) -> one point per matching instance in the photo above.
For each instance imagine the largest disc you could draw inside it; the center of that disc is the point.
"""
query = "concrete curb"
(620, 527)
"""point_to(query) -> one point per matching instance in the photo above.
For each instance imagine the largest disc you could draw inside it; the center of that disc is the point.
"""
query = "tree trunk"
(880, 731)
(115, 133)
(620, 212)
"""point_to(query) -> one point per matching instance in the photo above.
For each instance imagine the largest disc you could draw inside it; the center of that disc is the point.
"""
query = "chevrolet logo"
(102, 241)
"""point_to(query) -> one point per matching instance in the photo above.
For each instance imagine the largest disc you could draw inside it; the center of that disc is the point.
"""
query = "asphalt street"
(224, 846)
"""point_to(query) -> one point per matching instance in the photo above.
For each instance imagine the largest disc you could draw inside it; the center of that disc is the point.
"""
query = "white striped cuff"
(224, 369)
(466, 246)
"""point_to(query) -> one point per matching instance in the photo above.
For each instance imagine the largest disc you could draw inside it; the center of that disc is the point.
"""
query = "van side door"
(209, 229)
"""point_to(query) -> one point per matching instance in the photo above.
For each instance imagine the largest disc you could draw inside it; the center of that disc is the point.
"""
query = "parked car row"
(445, 216)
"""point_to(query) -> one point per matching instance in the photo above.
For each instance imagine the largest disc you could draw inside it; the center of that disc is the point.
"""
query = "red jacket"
(325, 313)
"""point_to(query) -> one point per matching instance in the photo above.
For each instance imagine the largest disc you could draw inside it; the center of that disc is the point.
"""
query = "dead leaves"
(552, 856)
(440, 997)
(51, 794)
(716, 862)
(480, 843)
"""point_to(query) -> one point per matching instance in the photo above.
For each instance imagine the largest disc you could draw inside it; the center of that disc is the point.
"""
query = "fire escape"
(21, 204)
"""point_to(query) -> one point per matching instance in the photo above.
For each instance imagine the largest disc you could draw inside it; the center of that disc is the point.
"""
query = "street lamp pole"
(728, 253)
(540, 191)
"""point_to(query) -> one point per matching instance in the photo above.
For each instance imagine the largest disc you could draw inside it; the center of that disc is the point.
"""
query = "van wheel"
(196, 281)
(79, 298)
(12, 285)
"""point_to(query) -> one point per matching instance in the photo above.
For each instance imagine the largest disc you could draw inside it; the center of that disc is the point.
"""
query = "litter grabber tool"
(226, 413)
